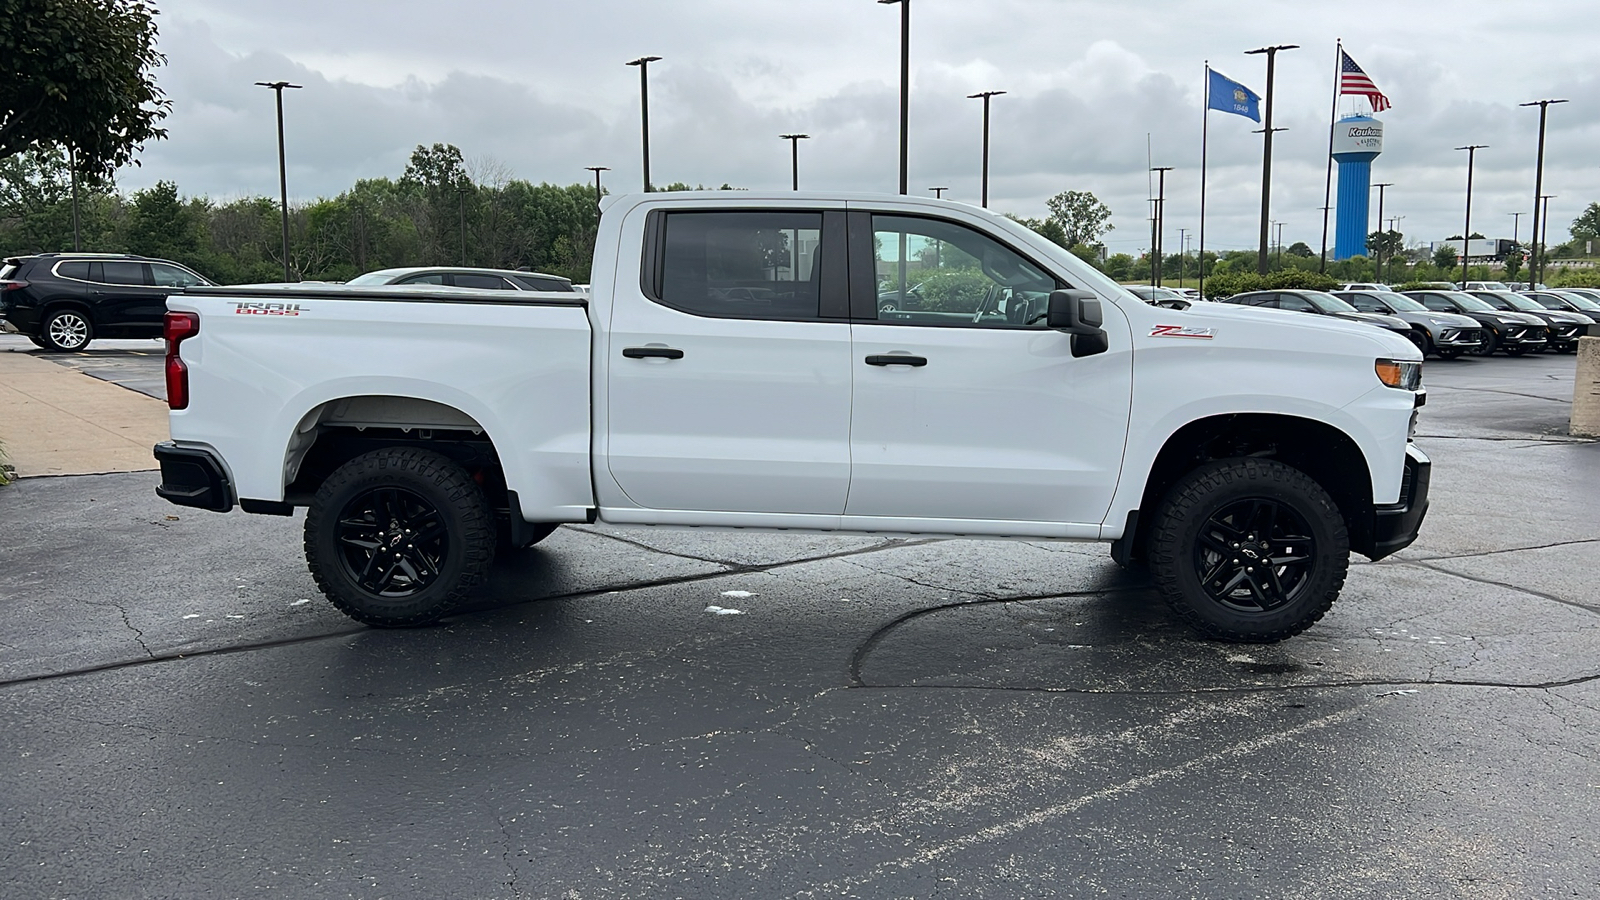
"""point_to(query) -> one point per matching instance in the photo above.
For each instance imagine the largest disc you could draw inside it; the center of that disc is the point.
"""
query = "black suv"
(62, 301)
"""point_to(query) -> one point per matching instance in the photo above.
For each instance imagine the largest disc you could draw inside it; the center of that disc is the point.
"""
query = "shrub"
(955, 290)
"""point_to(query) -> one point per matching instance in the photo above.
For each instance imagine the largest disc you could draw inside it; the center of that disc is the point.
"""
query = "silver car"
(1447, 334)
(463, 276)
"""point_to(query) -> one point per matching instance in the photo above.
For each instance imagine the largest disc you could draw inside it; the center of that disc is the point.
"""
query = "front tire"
(1486, 345)
(1422, 341)
(66, 330)
(397, 537)
(1249, 550)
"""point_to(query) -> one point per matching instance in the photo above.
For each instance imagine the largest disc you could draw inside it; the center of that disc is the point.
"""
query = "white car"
(733, 369)
(466, 277)
(1367, 286)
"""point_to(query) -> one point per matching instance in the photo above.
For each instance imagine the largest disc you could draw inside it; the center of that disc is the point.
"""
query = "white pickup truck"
(798, 361)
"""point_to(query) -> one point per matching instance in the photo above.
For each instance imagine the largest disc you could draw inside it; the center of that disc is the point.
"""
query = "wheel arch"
(1328, 455)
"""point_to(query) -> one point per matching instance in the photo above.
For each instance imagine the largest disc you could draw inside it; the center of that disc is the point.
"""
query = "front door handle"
(652, 353)
(897, 359)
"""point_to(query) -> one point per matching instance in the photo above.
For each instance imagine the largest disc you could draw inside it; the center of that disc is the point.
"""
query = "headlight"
(1407, 376)
(1442, 323)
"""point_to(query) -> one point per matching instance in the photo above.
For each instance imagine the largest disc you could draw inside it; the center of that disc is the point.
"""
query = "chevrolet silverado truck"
(734, 368)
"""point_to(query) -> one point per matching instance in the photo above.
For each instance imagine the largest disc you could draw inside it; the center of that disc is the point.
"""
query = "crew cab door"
(968, 406)
(729, 364)
(124, 295)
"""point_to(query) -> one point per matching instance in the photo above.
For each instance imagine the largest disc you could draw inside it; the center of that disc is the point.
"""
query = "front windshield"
(1518, 301)
(1468, 301)
(1328, 303)
(1579, 300)
(1400, 302)
(380, 277)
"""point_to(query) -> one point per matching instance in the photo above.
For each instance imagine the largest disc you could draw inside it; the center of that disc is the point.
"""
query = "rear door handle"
(652, 353)
(897, 359)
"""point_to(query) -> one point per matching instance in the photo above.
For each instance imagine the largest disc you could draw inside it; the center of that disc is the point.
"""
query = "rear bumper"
(191, 476)
(1394, 526)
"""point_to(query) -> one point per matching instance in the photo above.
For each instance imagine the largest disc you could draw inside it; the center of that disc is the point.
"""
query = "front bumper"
(191, 476)
(1394, 526)
(1458, 338)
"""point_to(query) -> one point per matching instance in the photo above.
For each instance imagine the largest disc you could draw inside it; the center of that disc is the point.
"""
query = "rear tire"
(40, 342)
(65, 330)
(1292, 547)
(397, 537)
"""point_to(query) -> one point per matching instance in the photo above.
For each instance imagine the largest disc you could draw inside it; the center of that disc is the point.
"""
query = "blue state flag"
(1230, 96)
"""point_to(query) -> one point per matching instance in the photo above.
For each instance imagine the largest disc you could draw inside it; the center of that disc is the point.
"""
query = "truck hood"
(1381, 341)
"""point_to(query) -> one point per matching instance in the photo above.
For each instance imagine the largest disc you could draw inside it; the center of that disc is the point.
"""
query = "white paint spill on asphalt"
(300, 602)
(737, 595)
(721, 611)
(192, 616)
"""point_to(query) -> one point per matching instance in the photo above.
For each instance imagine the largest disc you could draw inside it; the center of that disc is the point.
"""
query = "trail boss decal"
(267, 309)
(1183, 331)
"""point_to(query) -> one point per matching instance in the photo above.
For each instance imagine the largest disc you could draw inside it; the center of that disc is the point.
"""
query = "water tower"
(1357, 141)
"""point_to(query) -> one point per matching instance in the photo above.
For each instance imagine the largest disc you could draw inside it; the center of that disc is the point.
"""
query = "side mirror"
(1078, 313)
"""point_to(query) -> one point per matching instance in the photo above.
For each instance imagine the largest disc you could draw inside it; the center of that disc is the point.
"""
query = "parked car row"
(1447, 322)
(62, 301)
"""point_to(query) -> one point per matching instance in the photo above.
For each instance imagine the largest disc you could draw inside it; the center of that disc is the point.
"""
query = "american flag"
(1354, 81)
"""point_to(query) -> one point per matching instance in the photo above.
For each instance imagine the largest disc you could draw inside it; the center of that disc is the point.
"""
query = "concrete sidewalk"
(57, 421)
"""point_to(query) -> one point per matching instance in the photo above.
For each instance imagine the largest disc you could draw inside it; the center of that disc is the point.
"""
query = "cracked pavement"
(182, 715)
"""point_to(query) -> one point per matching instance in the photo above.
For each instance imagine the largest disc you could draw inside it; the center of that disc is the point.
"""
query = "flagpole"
(1205, 133)
(1327, 182)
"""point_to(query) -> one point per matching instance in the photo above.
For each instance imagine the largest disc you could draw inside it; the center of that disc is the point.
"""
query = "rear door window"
(124, 273)
(78, 270)
(742, 264)
(483, 282)
(1296, 303)
(427, 278)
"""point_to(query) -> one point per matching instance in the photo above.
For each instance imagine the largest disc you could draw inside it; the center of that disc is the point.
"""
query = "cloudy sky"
(539, 89)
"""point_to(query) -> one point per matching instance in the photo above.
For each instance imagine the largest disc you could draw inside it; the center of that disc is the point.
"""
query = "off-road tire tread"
(462, 495)
(1166, 550)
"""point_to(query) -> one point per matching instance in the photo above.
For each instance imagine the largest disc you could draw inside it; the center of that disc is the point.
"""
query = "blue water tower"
(1357, 141)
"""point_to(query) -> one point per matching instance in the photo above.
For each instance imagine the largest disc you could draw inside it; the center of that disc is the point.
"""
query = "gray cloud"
(541, 87)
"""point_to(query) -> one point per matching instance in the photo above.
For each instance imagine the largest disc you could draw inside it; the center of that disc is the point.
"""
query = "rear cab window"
(744, 264)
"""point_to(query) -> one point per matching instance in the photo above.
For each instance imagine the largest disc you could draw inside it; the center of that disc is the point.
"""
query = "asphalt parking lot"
(667, 714)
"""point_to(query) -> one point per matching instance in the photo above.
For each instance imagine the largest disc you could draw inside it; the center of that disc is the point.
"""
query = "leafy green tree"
(1444, 256)
(1048, 229)
(1514, 262)
(1081, 217)
(161, 224)
(1119, 266)
(1587, 225)
(1300, 249)
(77, 73)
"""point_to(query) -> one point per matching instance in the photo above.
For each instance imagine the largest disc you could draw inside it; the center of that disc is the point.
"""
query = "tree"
(1046, 228)
(1444, 256)
(1081, 216)
(1300, 249)
(77, 73)
(1587, 225)
(1514, 262)
(1386, 243)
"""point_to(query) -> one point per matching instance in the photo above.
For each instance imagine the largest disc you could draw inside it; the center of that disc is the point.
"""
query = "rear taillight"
(178, 327)
(12, 285)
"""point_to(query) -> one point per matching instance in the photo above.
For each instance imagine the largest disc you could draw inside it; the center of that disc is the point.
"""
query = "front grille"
(1514, 332)
(1566, 330)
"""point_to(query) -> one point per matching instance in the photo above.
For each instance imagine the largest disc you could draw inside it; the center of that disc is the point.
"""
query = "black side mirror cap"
(1078, 313)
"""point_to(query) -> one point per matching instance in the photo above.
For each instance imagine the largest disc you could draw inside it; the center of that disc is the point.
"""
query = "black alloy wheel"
(1248, 550)
(1486, 344)
(399, 536)
(391, 542)
(1420, 338)
(1255, 555)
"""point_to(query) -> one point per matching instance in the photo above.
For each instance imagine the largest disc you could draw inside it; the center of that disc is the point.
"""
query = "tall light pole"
(599, 195)
(643, 63)
(1466, 228)
(1266, 151)
(461, 199)
(986, 95)
(1158, 229)
(1381, 236)
(1183, 253)
(938, 192)
(794, 154)
(1544, 216)
(1516, 225)
(283, 172)
(905, 84)
(1538, 188)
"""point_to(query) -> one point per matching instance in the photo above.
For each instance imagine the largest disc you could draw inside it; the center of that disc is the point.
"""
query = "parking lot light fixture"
(1466, 228)
(794, 156)
(283, 174)
(938, 192)
(986, 95)
(1266, 150)
(599, 195)
(1538, 188)
(643, 63)
(905, 85)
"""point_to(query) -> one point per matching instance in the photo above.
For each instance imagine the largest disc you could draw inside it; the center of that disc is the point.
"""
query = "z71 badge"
(1183, 331)
(267, 309)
